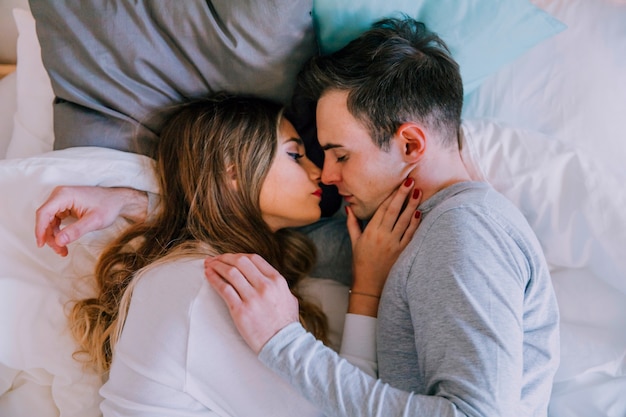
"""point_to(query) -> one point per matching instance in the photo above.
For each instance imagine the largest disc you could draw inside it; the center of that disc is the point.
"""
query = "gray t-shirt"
(468, 322)
(468, 312)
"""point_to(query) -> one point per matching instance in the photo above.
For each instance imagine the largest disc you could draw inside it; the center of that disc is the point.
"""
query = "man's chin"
(361, 212)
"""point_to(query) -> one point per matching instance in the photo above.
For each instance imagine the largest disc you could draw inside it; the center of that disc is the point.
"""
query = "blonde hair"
(204, 146)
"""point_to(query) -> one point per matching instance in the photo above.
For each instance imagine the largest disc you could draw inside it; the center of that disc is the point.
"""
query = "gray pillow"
(116, 66)
(8, 33)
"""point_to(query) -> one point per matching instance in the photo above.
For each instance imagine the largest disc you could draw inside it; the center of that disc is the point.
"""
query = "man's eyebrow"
(330, 146)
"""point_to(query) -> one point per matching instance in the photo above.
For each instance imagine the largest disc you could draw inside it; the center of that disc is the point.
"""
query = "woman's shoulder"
(169, 279)
(155, 339)
(164, 294)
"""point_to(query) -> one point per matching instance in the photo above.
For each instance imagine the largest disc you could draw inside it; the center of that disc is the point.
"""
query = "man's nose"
(330, 172)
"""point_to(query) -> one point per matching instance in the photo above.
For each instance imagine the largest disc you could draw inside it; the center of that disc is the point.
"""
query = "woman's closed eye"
(296, 156)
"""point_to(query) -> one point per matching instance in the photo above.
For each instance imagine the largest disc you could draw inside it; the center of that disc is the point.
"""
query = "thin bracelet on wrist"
(362, 293)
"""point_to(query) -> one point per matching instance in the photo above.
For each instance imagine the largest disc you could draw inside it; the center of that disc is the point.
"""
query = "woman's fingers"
(399, 204)
(399, 212)
(354, 228)
(409, 218)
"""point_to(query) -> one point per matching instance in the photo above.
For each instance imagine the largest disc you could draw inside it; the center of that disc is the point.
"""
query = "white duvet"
(38, 375)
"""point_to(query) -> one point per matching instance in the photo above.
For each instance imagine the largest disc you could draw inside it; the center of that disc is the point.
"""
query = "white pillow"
(33, 121)
(8, 32)
(35, 283)
(572, 86)
(576, 209)
(8, 91)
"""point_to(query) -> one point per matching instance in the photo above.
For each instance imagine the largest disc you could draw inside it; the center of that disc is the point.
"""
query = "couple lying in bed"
(467, 323)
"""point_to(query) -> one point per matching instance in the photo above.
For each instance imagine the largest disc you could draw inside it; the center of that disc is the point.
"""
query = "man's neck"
(439, 170)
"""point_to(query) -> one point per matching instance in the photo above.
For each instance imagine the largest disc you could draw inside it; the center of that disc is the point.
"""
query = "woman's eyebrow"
(298, 141)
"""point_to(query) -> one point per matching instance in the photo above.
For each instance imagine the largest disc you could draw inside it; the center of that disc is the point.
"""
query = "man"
(467, 320)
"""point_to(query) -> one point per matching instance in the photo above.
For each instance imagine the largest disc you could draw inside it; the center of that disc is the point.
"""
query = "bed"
(545, 98)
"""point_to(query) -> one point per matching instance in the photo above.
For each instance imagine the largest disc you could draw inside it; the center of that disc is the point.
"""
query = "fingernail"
(416, 193)
(418, 214)
(408, 182)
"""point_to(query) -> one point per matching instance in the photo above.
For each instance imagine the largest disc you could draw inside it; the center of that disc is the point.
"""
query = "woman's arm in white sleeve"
(358, 342)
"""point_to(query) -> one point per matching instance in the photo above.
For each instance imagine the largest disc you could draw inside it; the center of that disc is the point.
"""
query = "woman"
(234, 178)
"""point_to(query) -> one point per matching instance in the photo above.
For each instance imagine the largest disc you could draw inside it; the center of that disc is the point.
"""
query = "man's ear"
(412, 138)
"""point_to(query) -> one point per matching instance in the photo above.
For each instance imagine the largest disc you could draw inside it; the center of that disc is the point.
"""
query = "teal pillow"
(483, 35)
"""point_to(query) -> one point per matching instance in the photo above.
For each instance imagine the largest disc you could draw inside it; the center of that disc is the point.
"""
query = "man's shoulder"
(473, 194)
(465, 214)
(470, 202)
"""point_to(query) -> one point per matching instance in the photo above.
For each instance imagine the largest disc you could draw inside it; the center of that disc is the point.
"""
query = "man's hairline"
(347, 91)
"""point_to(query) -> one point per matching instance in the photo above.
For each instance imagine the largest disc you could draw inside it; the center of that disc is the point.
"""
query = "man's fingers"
(264, 268)
(257, 271)
(58, 238)
(44, 217)
(262, 315)
(41, 226)
(223, 288)
(250, 275)
(241, 274)
(72, 232)
(49, 237)
(58, 205)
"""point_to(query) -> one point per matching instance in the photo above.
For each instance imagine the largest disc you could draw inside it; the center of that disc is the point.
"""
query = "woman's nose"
(314, 171)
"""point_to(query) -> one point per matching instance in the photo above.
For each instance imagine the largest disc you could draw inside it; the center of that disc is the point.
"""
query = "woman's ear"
(412, 139)
(230, 171)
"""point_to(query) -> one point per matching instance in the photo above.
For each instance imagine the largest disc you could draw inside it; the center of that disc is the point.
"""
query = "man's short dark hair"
(396, 72)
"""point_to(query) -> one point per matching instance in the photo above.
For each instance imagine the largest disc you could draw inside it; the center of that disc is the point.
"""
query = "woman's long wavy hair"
(204, 146)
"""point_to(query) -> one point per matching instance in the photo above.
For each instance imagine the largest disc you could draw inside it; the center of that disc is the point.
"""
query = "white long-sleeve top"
(180, 355)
